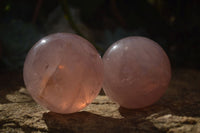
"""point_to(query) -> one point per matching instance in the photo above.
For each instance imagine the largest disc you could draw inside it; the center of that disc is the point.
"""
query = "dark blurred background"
(174, 24)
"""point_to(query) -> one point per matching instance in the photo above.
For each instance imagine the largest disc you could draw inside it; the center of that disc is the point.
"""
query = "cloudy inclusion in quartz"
(136, 72)
(63, 72)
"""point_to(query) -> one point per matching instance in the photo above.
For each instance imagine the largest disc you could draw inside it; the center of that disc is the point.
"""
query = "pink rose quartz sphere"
(63, 72)
(136, 72)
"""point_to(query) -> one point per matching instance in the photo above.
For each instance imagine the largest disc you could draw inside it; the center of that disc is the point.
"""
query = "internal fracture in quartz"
(63, 72)
(136, 72)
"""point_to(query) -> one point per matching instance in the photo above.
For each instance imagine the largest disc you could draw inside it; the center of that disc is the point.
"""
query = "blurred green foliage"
(88, 8)
(174, 24)
(17, 42)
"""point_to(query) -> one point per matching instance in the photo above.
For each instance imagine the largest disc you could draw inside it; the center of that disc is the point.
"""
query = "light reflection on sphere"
(137, 72)
(63, 72)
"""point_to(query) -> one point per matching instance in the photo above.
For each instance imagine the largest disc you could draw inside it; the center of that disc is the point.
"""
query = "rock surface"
(177, 112)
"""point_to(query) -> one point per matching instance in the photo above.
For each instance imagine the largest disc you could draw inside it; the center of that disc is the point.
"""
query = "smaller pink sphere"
(63, 72)
(136, 72)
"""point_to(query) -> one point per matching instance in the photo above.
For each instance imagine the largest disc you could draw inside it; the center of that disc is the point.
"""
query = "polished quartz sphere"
(136, 72)
(63, 72)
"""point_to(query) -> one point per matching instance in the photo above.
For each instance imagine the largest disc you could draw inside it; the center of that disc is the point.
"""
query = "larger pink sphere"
(63, 72)
(136, 72)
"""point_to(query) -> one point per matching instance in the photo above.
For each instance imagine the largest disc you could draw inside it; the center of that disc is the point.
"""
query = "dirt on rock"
(178, 111)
